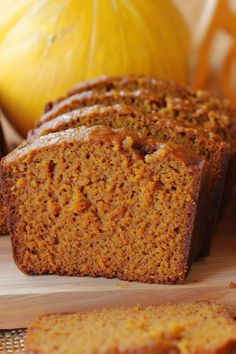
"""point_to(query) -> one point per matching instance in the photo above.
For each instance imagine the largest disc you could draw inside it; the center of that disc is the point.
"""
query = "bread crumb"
(123, 286)
(232, 285)
(195, 280)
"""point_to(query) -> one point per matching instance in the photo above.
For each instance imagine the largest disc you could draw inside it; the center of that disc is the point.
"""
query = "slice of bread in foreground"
(190, 328)
(102, 202)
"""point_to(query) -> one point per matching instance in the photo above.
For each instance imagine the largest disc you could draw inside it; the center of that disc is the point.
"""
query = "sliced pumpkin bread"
(207, 145)
(190, 328)
(104, 202)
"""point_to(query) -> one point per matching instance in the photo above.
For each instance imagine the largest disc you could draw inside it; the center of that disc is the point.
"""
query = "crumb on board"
(232, 284)
(195, 280)
(123, 286)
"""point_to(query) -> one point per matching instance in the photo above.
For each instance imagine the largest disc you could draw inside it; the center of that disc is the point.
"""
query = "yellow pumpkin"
(47, 46)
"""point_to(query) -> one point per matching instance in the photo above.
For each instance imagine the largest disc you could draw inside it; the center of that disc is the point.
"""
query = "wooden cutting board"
(23, 297)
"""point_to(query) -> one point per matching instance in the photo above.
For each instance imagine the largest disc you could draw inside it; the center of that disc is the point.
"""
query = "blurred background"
(48, 46)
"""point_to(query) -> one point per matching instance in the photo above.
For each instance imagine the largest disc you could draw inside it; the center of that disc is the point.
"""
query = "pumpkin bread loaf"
(3, 215)
(190, 328)
(208, 145)
(104, 202)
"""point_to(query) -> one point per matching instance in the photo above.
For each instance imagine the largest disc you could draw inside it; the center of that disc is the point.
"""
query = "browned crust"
(162, 88)
(88, 98)
(130, 82)
(178, 280)
(97, 133)
(223, 116)
(216, 201)
(93, 111)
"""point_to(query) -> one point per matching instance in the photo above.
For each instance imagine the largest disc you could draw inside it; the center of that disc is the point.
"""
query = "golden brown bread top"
(129, 82)
(156, 85)
(199, 99)
(88, 98)
(124, 111)
(123, 138)
(210, 113)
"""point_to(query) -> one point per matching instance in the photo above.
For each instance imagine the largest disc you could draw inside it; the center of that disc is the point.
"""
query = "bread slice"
(141, 98)
(3, 215)
(214, 115)
(207, 145)
(127, 83)
(190, 328)
(104, 202)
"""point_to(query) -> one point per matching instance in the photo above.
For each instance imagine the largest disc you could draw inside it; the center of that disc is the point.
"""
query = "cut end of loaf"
(101, 202)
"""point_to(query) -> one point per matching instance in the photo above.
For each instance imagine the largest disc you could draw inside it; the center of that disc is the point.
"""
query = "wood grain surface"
(23, 297)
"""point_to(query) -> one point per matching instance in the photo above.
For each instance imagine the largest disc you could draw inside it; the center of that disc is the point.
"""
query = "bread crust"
(131, 82)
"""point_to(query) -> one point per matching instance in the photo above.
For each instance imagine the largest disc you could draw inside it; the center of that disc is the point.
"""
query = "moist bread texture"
(207, 145)
(3, 215)
(104, 202)
(190, 328)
